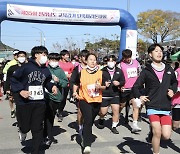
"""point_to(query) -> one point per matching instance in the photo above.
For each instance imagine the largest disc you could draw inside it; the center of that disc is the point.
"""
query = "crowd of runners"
(39, 86)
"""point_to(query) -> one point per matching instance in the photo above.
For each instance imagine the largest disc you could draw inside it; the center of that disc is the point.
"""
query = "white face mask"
(53, 64)
(21, 59)
(43, 60)
(110, 64)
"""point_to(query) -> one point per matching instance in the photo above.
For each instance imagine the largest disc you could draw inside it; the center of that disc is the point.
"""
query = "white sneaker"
(22, 136)
(87, 150)
(135, 128)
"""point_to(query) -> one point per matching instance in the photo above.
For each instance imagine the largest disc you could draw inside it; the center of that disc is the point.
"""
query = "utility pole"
(42, 37)
(128, 5)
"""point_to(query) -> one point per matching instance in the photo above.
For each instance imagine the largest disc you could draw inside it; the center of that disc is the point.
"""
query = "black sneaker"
(60, 117)
(13, 114)
(101, 124)
(48, 142)
(114, 130)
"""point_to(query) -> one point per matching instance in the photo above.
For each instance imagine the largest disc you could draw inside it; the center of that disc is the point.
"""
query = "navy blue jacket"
(30, 74)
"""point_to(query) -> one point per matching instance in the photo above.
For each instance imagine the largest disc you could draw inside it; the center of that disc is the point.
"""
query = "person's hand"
(122, 89)
(54, 90)
(75, 95)
(170, 93)
(24, 93)
(56, 79)
(97, 84)
(107, 83)
(8, 92)
(116, 83)
(144, 98)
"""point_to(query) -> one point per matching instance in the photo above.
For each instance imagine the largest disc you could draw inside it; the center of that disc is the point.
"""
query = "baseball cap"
(15, 51)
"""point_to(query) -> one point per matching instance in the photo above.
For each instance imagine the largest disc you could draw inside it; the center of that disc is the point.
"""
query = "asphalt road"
(69, 142)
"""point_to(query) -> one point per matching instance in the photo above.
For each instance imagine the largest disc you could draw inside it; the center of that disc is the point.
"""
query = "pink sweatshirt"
(67, 67)
(130, 73)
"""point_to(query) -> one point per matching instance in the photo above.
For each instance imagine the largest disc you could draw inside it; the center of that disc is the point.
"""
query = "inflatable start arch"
(73, 15)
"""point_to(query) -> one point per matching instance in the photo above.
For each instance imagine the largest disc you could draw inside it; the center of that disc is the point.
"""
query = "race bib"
(132, 72)
(36, 93)
(92, 92)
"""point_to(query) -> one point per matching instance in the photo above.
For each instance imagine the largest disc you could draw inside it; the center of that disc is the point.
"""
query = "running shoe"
(87, 150)
(13, 114)
(114, 130)
(60, 118)
(48, 141)
(135, 128)
(22, 136)
(101, 124)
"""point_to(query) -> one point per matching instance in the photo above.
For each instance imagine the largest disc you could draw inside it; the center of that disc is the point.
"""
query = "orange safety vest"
(87, 91)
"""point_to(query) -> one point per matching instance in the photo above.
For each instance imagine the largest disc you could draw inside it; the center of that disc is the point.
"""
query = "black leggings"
(89, 113)
(63, 102)
(51, 108)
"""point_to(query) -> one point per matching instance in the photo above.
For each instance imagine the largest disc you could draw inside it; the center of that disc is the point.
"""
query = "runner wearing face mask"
(113, 79)
(29, 83)
(53, 101)
(21, 59)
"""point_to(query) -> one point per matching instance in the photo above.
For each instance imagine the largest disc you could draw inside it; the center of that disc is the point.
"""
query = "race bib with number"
(36, 93)
(132, 72)
(92, 92)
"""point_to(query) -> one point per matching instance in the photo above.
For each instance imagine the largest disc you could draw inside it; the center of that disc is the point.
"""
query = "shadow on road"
(73, 125)
(136, 146)
(57, 130)
(169, 144)
(66, 113)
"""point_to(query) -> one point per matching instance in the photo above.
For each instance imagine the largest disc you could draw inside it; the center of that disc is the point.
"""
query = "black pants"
(31, 117)
(89, 112)
(51, 108)
(63, 103)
